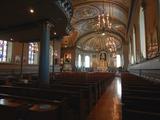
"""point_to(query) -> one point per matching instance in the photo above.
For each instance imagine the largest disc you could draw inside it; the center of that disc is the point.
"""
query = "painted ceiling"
(97, 42)
(85, 18)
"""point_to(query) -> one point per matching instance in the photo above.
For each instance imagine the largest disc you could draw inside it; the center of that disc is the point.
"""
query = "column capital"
(48, 24)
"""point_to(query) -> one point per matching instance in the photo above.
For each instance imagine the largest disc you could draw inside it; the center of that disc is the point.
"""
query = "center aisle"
(109, 105)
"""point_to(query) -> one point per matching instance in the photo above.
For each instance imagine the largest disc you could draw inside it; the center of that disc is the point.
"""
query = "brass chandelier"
(104, 20)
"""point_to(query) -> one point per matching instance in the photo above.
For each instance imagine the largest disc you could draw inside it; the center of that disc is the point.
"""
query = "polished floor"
(109, 105)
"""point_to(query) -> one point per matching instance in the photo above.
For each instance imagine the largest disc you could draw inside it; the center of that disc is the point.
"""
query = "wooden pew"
(81, 89)
(140, 98)
(76, 100)
(87, 90)
(129, 114)
(94, 85)
(100, 78)
(143, 87)
(141, 93)
(145, 104)
(26, 108)
(98, 81)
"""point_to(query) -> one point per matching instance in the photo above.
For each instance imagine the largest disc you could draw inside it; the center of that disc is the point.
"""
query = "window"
(118, 59)
(134, 44)
(3, 50)
(130, 50)
(9, 52)
(33, 53)
(51, 55)
(87, 61)
(142, 33)
(79, 61)
(130, 53)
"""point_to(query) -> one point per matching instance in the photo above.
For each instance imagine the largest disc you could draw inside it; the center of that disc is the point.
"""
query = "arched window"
(3, 50)
(87, 61)
(9, 51)
(142, 32)
(79, 61)
(134, 44)
(33, 53)
(130, 52)
(50, 55)
(118, 59)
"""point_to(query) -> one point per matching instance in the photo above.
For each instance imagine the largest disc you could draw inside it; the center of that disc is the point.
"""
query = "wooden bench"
(28, 108)
(76, 100)
(140, 99)
(151, 87)
(142, 103)
(87, 90)
(129, 114)
(101, 79)
(94, 86)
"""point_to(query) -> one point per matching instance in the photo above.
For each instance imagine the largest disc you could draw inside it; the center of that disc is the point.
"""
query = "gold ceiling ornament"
(104, 20)
(111, 44)
(97, 42)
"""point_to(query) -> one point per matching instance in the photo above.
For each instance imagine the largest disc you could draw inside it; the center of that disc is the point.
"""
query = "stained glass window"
(51, 55)
(33, 53)
(3, 50)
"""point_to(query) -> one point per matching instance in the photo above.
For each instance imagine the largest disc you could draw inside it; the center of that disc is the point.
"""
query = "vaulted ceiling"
(85, 20)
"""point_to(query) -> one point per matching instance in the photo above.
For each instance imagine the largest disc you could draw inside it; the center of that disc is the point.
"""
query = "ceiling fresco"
(85, 18)
(85, 12)
(90, 25)
(97, 42)
(92, 10)
(125, 3)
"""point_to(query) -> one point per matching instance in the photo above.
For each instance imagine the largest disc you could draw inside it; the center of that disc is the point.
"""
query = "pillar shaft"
(44, 55)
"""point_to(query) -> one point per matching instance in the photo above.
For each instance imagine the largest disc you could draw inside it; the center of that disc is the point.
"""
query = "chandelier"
(104, 22)
(111, 44)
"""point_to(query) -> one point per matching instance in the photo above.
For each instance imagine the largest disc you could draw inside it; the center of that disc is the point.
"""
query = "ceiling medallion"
(85, 12)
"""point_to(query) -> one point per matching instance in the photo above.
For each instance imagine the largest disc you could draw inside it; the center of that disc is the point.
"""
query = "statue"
(103, 65)
(103, 56)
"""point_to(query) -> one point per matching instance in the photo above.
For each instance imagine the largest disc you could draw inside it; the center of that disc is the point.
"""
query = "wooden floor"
(109, 105)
